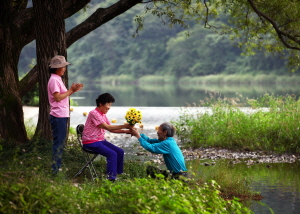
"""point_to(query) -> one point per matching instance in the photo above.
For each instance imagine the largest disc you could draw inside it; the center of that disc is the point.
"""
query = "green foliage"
(271, 26)
(26, 186)
(159, 50)
(30, 128)
(37, 194)
(73, 103)
(275, 128)
(32, 97)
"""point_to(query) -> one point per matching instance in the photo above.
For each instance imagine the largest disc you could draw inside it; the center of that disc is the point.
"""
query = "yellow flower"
(133, 116)
(113, 120)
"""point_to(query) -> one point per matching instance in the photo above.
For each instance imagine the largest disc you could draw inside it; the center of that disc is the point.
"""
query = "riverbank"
(210, 155)
(158, 116)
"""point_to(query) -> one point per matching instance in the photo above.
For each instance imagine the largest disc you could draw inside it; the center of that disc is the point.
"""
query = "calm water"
(172, 95)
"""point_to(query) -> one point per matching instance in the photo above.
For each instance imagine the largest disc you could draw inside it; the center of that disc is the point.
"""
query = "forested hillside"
(158, 49)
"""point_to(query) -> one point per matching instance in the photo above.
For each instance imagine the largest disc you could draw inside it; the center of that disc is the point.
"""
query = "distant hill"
(158, 50)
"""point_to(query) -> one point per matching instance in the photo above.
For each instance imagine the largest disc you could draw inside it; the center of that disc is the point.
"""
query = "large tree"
(18, 27)
(271, 24)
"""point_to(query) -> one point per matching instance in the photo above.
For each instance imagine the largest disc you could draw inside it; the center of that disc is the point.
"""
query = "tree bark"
(12, 126)
(50, 41)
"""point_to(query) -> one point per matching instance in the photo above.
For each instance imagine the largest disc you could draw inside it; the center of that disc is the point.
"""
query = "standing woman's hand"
(76, 87)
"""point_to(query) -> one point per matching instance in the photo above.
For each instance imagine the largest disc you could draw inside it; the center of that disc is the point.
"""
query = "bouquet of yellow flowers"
(133, 116)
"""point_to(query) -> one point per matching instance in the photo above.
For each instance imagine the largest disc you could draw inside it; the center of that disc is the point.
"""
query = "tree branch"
(25, 19)
(280, 33)
(98, 18)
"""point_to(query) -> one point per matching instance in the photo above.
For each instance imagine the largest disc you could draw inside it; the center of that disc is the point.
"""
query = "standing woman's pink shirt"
(61, 108)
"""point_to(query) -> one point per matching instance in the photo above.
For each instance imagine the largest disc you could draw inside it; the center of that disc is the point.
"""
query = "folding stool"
(87, 154)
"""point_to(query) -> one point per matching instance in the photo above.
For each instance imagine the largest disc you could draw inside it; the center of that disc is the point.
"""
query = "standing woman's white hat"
(58, 62)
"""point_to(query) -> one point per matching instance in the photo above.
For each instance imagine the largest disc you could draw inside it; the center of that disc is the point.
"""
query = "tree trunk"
(50, 41)
(12, 126)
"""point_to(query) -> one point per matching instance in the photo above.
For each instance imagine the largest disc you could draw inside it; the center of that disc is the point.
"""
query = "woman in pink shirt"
(93, 136)
(58, 96)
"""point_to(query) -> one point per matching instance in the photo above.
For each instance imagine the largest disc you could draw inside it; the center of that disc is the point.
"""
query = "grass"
(38, 194)
(26, 186)
(275, 128)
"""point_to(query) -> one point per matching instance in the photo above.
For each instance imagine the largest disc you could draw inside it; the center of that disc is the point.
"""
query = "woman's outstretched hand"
(129, 126)
(134, 132)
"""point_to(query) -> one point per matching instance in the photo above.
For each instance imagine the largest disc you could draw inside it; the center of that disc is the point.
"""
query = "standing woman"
(58, 96)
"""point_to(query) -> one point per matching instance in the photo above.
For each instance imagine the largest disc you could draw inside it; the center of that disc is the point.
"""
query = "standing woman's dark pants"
(59, 131)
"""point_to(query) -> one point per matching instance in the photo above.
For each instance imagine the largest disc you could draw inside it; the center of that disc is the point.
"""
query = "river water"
(173, 95)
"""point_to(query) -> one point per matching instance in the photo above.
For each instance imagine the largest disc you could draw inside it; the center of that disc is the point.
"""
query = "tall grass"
(276, 129)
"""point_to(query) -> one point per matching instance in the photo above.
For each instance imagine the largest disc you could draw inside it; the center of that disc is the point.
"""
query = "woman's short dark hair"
(105, 98)
(169, 128)
(52, 70)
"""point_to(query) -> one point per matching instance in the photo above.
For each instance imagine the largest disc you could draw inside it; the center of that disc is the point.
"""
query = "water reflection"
(175, 95)
(280, 186)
